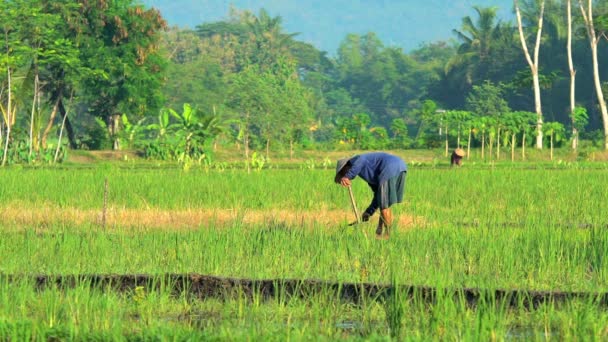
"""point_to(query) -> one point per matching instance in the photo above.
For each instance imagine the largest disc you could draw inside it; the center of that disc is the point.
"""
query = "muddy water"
(203, 286)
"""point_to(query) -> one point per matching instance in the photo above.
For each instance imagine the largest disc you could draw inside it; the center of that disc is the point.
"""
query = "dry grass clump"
(49, 215)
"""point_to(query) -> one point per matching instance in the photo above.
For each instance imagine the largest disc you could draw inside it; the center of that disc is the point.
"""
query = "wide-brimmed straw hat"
(459, 152)
(341, 164)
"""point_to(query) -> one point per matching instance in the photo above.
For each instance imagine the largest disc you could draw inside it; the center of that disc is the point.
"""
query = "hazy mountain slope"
(324, 23)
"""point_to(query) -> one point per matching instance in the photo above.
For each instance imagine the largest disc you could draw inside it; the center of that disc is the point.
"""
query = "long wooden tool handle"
(352, 201)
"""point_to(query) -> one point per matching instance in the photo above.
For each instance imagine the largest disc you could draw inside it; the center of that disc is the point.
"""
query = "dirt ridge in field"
(205, 286)
(49, 215)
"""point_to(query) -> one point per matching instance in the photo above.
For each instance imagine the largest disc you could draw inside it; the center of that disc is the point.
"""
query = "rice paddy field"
(464, 238)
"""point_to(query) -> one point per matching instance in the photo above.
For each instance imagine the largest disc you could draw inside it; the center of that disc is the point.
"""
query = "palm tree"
(267, 40)
(479, 38)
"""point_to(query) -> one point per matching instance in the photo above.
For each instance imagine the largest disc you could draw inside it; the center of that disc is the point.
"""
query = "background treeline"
(111, 74)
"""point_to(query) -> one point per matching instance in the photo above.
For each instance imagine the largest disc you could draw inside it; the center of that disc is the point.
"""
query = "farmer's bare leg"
(385, 222)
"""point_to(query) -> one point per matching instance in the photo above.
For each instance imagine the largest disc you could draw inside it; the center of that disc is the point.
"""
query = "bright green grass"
(86, 313)
(563, 196)
(487, 228)
(532, 229)
(536, 258)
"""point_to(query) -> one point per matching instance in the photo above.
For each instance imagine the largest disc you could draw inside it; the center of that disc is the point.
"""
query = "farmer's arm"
(371, 209)
(356, 166)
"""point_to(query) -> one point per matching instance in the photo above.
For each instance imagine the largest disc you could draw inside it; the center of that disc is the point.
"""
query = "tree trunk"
(57, 97)
(469, 145)
(267, 147)
(491, 145)
(246, 142)
(594, 40)
(483, 146)
(60, 137)
(572, 77)
(512, 147)
(68, 125)
(8, 136)
(534, 67)
(447, 147)
(8, 115)
(523, 147)
(114, 129)
(49, 125)
(32, 116)
(498, 145)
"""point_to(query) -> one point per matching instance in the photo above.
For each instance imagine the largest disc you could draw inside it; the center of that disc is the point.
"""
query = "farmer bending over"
(385, 174)
(456, 158)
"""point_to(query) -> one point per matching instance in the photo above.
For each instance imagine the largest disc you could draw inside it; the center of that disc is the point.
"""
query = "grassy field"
(526, 226)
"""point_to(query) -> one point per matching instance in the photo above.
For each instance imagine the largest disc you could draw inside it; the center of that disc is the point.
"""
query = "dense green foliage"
(64, 63)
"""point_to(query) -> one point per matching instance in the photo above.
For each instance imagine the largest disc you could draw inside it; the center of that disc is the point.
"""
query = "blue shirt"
(375, 167)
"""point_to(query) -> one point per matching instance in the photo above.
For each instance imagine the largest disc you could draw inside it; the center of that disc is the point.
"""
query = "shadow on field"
(202, 287)
(523, 224)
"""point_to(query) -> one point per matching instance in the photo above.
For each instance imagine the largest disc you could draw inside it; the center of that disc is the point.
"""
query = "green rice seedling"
(394, 308)
(502, 228)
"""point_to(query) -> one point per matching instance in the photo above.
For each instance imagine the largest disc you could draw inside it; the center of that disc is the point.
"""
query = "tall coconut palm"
(267, 39)
(478, 39)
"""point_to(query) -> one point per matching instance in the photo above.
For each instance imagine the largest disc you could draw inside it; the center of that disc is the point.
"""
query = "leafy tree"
(580, 119)
(426, 116)
(294, 111)
(249, 97)
(594, 34)
(378, 138)
(121, 41)
(10, 62)
(486, 49)
(487, 100)
(533, 63)
(400, 137)
(356, 130)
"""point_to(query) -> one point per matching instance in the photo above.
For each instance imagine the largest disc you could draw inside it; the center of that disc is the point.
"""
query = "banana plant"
(555, 131)
(161, 127)
(186, 128)
(131, 131)
(480, 131)
(526, 122)
(511, 124)
(194, 131)
(579, 121)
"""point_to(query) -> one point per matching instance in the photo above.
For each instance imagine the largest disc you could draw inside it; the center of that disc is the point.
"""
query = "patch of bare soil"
(81, 158)
(204, 286)
(49, 215)
(89, 157)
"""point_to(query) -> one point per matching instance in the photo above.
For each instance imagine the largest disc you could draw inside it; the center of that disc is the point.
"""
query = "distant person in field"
(456, 159)
(385, 174)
